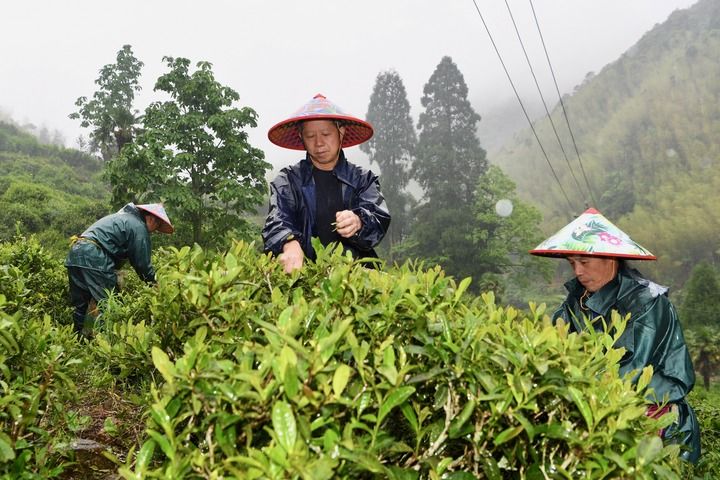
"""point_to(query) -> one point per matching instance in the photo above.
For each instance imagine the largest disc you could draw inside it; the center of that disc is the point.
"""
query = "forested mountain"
(647, 128)
(52, 191)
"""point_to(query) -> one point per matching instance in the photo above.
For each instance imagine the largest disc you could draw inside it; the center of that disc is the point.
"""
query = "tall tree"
(110, 113)
(449, 157)
(194, 155)
(392, 147)
(448, 165)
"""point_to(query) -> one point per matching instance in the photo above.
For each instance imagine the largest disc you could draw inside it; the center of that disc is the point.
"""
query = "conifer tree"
(449, 158)
(392, 147)
(448, 165)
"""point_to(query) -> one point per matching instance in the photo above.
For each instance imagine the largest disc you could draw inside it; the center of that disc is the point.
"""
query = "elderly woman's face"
(322, 139)
(593, 272)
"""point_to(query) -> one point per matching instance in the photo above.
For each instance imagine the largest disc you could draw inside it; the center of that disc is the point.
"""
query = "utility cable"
(542, 98)
(532, 127)
(562, 104)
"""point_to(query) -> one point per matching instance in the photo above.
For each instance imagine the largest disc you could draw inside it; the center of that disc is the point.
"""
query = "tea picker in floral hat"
(323, 195)
(597, 251)
(103, 247)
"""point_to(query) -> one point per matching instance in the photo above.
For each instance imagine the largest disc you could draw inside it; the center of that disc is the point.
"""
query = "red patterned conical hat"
(285, 134)
(594, 235)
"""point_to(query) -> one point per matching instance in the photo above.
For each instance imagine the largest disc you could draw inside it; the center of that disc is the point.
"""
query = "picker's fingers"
(347, 223)
(292, 256)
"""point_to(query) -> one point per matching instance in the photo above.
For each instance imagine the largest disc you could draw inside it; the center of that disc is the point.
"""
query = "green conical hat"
(594, 235)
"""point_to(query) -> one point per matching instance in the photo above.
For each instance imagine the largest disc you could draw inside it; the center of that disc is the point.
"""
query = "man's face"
(593, 272)
(322, 139)
(152, 223)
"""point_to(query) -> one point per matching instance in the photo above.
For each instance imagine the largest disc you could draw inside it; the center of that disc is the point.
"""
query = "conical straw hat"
(285, 134)
(157, 210)
(594, 235)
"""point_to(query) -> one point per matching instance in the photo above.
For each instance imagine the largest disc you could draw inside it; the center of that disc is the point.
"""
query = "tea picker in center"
(323, 195)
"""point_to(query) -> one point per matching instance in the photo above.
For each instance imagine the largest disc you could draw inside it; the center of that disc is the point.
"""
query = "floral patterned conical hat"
(285, 134)
(594, 235)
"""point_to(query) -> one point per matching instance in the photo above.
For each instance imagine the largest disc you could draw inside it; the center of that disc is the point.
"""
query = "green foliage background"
(49, 191)
(646, 126)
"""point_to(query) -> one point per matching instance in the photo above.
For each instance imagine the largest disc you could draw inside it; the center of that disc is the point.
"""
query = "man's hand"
(347, 223)
(292, 256)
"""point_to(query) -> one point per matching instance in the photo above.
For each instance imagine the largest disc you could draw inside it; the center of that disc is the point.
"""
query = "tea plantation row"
(233, 369)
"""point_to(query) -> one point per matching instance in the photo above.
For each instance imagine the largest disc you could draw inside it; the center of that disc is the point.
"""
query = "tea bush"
(123, 338)
(707, 406)
(348, 372)
(37, 363)
(34, 281)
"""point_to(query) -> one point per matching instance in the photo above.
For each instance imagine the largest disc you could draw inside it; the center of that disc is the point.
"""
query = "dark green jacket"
(112, 240)
(653, 336)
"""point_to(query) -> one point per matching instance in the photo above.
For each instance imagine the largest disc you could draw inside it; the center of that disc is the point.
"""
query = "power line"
(532, 127)
(562, 104)
(542, 98)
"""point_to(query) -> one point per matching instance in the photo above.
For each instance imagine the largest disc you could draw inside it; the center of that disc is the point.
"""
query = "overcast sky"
(277, 54)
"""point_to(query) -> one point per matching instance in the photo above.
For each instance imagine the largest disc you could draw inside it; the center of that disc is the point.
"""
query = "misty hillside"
(648, 131)
(501, 122)
(47, 190)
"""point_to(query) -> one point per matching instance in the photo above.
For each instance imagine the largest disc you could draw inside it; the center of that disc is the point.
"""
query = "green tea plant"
(706, 404)
(124, 338)
(347, 372)
(37, 362)
(33, 280)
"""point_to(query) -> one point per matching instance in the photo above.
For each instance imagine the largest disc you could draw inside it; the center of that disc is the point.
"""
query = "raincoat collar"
(625, 283)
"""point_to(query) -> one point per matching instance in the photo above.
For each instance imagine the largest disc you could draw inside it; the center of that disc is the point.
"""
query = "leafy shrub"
(707, 406)
(345, 372)
(34, 281)
(37, 360)
(123, 341)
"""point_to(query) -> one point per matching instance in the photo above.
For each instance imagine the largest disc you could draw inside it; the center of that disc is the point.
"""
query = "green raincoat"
(112, 240)
(653, 337)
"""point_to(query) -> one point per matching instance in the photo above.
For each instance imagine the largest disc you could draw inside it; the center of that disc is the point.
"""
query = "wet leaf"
(283, 422)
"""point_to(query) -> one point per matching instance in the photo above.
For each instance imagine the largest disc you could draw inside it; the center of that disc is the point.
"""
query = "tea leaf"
(283, 422)
(340, 379)
(165, 446)
(459, 421)
(163, 364)
(6, 451)
(649, 449)
(507, 435)
(396, 397)
(144, 456)
(577, 398)
(645, 378)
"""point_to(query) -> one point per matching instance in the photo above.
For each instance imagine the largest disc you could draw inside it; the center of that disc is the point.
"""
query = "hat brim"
(164, 227)
(286, 134)
(573, 253)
